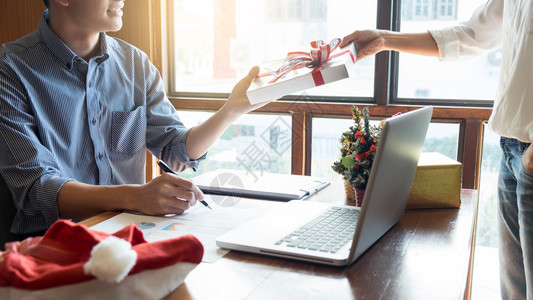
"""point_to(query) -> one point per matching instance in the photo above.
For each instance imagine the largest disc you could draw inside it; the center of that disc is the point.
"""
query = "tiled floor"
(485, 282)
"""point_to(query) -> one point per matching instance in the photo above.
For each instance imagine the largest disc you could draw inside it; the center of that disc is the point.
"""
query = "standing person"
(506, 23)
(78, 110)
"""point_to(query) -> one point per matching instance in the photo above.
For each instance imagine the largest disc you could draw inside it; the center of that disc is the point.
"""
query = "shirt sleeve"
(483, 32)
(166, 134)
(28, 168)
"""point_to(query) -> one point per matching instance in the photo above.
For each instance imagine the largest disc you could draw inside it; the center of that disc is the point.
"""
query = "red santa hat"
(72, 260)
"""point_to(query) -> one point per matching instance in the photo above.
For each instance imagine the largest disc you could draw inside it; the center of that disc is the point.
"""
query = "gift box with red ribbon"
(299, 71)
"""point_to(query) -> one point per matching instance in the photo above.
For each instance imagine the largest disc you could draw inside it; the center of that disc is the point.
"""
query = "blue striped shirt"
(64, 119)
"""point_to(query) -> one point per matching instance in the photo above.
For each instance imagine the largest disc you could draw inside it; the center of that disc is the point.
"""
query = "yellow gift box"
(437, 182)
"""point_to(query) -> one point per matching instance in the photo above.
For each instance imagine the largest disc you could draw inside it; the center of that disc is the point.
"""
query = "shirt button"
(100, 156)
(91, 84)
(93, 121)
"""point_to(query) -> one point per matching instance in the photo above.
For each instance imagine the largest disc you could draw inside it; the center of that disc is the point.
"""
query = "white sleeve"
(481, 33)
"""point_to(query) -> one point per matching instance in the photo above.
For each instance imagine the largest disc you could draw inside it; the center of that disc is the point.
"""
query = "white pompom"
(111, 259)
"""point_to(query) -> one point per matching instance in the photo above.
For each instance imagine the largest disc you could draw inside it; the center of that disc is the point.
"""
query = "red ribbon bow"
(315, 59)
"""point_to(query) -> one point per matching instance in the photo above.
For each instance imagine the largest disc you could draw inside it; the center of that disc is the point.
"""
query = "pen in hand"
(167, 169)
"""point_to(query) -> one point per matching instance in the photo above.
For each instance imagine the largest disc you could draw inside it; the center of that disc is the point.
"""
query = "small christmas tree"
(358, 148)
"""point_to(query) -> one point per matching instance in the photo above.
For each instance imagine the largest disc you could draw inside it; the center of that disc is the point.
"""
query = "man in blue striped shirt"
(78, 109)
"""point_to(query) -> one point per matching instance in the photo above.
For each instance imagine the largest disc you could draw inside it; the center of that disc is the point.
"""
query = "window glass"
(441, 137)
(254, 143)
(487, 231)
(486, 279)
(217, 41)
(426, 77)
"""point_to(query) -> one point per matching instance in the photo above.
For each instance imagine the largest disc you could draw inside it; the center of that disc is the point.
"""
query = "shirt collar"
(103, 55)
(61, 50)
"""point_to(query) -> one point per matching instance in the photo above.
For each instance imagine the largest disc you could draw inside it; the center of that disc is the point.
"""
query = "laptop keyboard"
(328, 232)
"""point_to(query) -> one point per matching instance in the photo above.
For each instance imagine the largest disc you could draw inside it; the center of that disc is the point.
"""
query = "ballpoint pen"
(167, 169)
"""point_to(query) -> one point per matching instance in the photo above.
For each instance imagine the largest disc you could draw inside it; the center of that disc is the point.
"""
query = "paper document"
(205, 224)
(281, 187)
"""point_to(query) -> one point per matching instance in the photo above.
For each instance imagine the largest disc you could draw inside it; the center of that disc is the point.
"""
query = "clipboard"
(260, 185)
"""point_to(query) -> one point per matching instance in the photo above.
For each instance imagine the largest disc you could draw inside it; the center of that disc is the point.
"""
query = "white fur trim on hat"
(111, 260)
(146, 285)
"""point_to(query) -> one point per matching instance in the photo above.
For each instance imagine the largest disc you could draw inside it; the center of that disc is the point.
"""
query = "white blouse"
(496, 23)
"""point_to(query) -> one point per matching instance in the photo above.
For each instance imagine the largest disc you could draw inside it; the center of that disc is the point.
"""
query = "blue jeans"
(515, 193)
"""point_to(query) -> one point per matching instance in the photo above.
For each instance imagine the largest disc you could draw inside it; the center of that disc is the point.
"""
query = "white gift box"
(332, 70)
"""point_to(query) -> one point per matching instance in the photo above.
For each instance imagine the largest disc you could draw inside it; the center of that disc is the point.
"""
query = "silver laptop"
(296, 229)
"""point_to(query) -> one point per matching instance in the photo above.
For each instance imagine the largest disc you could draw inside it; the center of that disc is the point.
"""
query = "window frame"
(386, 71)
(469, 114)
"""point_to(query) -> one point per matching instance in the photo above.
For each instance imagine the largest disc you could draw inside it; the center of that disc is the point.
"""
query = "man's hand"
(367, 42)
(238, 103)
(527, 159)
(167, 194)
(370, 42)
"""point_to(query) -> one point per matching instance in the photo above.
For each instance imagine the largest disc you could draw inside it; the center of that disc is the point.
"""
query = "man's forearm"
(203, 136)
(415, 43)
(78, 200)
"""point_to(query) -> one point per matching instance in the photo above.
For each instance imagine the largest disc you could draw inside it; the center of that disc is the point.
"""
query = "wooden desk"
(427, 255)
